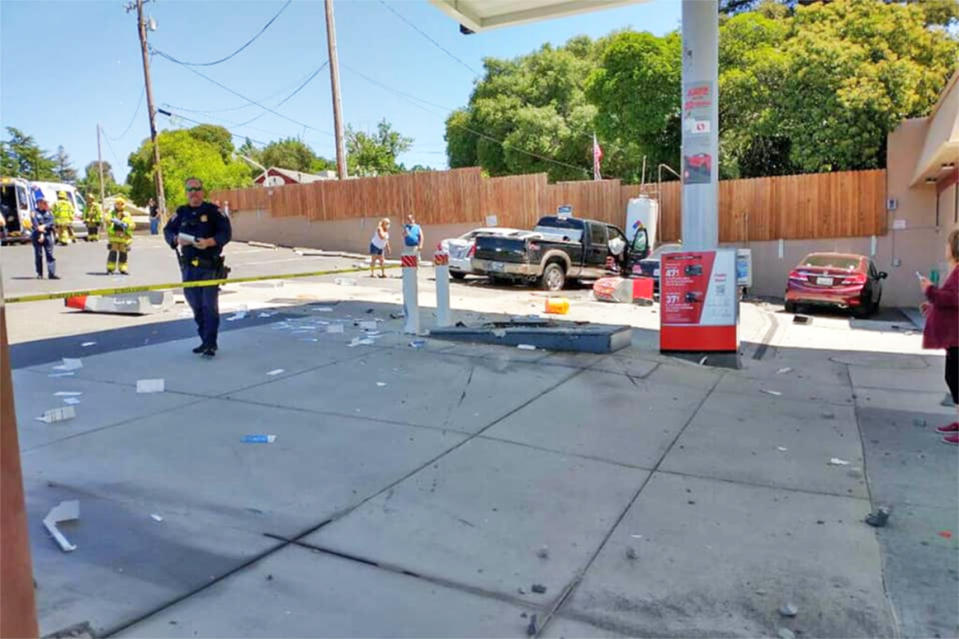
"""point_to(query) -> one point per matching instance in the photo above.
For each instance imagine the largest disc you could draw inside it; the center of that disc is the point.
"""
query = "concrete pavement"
(410, 492)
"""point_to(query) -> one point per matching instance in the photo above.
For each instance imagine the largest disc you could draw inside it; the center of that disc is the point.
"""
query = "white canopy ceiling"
(479, 15)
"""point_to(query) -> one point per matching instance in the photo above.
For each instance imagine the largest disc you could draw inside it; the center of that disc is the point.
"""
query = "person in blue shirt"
(199, 231)
(412, 235)
(43, 238)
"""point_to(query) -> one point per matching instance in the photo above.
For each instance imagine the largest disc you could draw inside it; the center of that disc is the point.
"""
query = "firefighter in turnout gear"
(63, 218)
(93, 217)
(120, 237)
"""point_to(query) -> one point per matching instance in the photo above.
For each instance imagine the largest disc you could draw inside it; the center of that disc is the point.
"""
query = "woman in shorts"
(378, 243)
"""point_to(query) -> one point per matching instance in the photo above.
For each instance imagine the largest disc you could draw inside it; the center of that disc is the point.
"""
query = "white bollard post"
(441, 261)
(411, 307)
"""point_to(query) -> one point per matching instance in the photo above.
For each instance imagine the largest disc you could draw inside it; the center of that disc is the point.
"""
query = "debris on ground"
(381, 384)
(418, 343)
(705, 358)
(64, 511)
(788, 610)
(828, 415)
(786, 633)
(360, 341)
(368, 325)
(266, 314)
(259, 439)
(345, 281)
(397, 316)
(87, 344)
(321, 309)
(58, 414)
(334, 328)
(69, 364)
(835, 461)
(269, 577)
(71, 401)
(539, 589)
(67, 393)
(70, 374)
(543, 553)
(781, 449)
(945, 534)
(802, 319)
(275, 371)
(151, 385)
(237, 316)
(783, 371)
(81, 630)
(631, 553)
(878, 518)
(919, 422)
(531, 628)
(526, 347)
(774, 393)
(156, 517)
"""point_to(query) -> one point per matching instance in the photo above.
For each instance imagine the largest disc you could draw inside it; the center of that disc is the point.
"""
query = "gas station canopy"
(480, 15)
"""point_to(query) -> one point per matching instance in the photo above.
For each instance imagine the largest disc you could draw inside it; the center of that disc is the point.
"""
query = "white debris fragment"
(334, 328)
(156, 517)
(781, 449)
(71, 400)
(266, 314)
(322, 309)
(368, 325)
(67, 393)
(64, 511)
(86, 344)
(381, 384)
(70, 374)
(69, 364)
(345, 281)
(58, 414)
(526, 347)
(357, 341)
(772, 392)
(151, 385)
(236, 316)
(783, 371)
(275, 371)
(835, 461)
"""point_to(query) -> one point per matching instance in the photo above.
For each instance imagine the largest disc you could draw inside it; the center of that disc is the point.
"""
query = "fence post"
(441, 262)
(411, 308)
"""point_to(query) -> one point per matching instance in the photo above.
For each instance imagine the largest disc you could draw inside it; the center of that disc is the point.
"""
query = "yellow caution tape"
(39, 297)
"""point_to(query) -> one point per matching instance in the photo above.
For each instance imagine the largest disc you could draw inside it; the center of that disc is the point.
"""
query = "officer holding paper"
(198, 232)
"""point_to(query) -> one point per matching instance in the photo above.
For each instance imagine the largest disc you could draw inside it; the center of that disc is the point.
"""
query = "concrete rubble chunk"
(788, 610)
(786, 633)
(64, 511)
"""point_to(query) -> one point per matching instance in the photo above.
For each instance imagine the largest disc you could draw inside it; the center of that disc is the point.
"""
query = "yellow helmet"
(61, 195)
(120, 202)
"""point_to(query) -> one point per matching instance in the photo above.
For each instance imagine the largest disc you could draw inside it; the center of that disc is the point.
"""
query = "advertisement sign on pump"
(699, 301)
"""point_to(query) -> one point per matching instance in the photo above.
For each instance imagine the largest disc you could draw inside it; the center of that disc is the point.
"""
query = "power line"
(240, 95)
(245, 105)
(287, 98)
(132, 119)
(177, 116)
(245, 45)
(428, 37)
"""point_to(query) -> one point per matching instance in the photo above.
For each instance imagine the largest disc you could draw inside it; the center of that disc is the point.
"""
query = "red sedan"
(835, 279)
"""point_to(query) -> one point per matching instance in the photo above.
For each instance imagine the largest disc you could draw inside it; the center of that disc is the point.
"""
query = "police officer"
(200, 231)
(63, 216)
(119, 237)
(42, 237)
(93, 217)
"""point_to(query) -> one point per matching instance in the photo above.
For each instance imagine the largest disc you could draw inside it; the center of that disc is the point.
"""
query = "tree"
(375, 153)
(183, 155)
(23, 158)
(91, 179)
(217, 136)
(529, 114)
(288, 153)
(935, 12)
(63, 170)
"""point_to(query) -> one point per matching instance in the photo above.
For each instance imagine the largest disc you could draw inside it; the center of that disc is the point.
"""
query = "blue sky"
(66, 65)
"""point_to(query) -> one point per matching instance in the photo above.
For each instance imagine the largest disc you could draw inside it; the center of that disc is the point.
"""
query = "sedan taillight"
(857, 278)
(797, 276)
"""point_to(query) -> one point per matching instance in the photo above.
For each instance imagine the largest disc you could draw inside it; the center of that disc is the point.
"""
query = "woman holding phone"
(942, 326)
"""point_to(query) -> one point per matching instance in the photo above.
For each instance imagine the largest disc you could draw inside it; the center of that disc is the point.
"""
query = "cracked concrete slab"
(625, 421)
(473, 392)
(723, 565)
(480, 514)
(298, 593)
(752, 432)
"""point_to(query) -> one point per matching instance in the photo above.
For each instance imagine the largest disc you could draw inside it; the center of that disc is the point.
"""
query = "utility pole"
(335, 82)
(157, 173)
(100, 165)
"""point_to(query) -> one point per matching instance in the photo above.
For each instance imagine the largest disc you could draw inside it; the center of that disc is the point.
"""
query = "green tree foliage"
(935, 12)
(62, 167)
(91, 179)
(217, 136)
(375, 153)
(183, 155)
(288, 153)
(22, 157)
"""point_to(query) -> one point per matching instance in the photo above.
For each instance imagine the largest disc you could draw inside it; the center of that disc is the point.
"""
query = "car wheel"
(791, 307)
(458, 275)
(554, 277)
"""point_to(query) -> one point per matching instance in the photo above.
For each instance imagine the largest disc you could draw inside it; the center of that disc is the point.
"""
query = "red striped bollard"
(441, 262)
(411, 307)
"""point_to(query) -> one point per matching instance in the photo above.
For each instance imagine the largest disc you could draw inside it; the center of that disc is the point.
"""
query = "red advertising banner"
(698, 301)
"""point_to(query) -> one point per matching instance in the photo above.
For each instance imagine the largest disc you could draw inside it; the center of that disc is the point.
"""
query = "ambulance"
(16, 206)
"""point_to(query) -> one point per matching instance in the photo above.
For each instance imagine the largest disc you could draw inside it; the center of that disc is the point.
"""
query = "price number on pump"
(672, 298)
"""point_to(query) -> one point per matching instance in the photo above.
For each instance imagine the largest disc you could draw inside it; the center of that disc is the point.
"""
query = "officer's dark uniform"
(205, 220)
(43, 243)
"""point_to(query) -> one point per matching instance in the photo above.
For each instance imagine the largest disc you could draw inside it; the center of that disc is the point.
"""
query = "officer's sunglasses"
(193, 189)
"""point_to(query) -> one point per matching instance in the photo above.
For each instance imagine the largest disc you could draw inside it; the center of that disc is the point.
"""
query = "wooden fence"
(822, 205)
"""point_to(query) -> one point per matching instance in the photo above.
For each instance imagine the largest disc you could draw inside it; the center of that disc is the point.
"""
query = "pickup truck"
(557, 250)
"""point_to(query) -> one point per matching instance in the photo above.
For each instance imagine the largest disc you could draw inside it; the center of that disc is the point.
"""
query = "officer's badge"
(203, 218)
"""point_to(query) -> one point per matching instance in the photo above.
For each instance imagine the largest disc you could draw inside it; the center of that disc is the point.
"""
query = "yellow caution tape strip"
(161, 287)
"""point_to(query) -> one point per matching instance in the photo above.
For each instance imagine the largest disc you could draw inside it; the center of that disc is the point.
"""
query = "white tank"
(642, 210)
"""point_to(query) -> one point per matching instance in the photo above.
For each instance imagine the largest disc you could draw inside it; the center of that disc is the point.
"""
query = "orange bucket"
(557, 305)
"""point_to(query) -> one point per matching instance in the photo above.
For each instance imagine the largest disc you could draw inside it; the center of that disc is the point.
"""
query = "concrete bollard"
(441, 260)
(411, 307)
